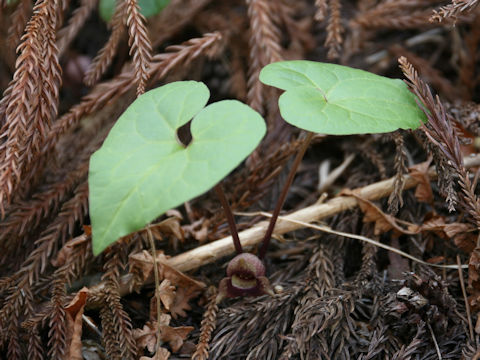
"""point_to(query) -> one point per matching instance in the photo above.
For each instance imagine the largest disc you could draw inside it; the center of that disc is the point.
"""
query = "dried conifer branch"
(110, 91)
(334, 30)
(374, 157)
(453, 10)
(9, 319)
(105, 56)
(71, 267)
(299, 31)
(24, 217)
(322, 8)
(395, 200)
(37, 78)
(140, 45)
(53, 236)
(3, 108)
(35, 345)
(406, 353)
(57, 335)
(270, 315)
(174, 18)
(208, 325)
(14, 350)
(401, 14)
(66, 35)
(121, 323)
(19, 20)
(18, 111)
(441, 132)
(264, 48)
(433, 76)
(109, 331)
(51, 77)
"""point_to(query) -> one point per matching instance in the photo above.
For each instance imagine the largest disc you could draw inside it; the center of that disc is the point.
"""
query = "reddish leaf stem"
(230, 219)
(283, 195)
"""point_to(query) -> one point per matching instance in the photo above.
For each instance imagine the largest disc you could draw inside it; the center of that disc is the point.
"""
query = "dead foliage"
(66, 77)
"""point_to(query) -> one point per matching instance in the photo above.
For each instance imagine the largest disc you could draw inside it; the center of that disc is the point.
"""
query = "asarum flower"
(245, 277)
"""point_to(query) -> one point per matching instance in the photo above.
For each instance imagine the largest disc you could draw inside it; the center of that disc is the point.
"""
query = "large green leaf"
(141, 170)
(339, 100)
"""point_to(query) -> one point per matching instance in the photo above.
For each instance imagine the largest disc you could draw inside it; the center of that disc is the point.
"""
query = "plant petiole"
(283, 195)
(230, 219)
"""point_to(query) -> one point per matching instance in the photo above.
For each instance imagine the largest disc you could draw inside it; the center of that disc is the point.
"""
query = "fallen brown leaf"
(463, 236)
(180, 304)
(423, 191)
(147, 336)
(175, 336)
(74, 312)
(167, 293)
(168, 227)
(167, 298)
(144, 261)
(382, 222)
(67, 249)
(198, 230)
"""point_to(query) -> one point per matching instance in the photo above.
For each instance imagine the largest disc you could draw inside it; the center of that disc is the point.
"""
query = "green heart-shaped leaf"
(141, 170)
(339, 100)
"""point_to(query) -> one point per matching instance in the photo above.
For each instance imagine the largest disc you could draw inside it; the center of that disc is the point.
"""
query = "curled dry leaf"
(67, 249)
(198, 229)
(382, 222)
(463, 236)
(144, 261)
(419, 172)
(167, 293)
(187, 288)
(167, 298)
(175, 336)
(168, 227)
(180, 303)
(435, 224)
(147, 337)
(74, 312)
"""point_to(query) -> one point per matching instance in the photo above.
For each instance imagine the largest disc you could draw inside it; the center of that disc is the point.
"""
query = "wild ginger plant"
(143, 170)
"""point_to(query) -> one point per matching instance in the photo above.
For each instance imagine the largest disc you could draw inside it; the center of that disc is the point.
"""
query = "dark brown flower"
(245, 277)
